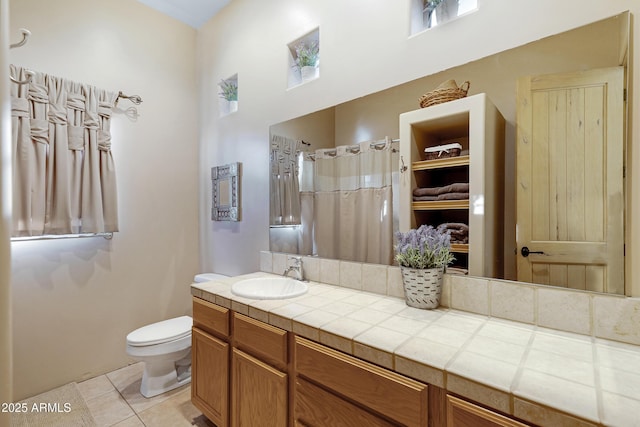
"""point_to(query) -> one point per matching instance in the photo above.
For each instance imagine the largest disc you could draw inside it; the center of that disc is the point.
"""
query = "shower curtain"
(63, 169)
(353, 202)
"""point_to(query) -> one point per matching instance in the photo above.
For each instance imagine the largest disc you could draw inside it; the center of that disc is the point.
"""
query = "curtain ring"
(29, 74)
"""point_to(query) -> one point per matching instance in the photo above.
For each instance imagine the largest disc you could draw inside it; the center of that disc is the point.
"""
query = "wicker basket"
(422, 287)
(447, 91)
(443, 151)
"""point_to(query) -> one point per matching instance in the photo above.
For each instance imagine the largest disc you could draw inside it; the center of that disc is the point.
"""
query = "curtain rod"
(382, 142)
(133, 98)
(106, 235)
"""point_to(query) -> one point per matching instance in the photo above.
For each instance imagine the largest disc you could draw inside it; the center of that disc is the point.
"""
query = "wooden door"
(210, 377)
(569, 178)
(259, 393)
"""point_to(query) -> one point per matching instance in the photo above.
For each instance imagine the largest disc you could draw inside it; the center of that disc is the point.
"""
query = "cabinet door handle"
(525, 252)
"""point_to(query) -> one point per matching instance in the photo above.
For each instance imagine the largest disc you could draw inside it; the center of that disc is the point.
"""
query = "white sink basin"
(269, 288)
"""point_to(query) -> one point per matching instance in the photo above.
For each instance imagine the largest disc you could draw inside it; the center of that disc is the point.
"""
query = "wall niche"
(228, 92)
(426, 14)
(304, 59)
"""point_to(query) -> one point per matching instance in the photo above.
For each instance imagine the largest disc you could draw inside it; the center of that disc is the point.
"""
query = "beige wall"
(6, 367)
(75, 300)
(317, 129)
(364, 48)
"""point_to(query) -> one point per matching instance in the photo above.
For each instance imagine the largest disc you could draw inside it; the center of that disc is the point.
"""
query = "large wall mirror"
(318, 149)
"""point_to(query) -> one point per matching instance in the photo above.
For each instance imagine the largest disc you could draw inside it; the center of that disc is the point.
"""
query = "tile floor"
(114, 399)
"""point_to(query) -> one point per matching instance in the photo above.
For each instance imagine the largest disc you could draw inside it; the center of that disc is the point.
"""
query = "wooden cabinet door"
(259, 393)
(210, 377)
(461, 413)
(211, 318)
(260, 340)
(570, 183)
(379, 390)
(316, 407)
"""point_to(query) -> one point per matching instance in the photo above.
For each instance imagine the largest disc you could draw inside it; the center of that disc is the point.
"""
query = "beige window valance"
(63, 170)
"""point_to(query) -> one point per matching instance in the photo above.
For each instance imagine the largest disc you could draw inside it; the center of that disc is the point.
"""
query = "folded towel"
(458, 234)
(458, 231)
(425, 198)
(460, 240)
(457, 187)
(453, 196)
(453, 226)
(447, 196)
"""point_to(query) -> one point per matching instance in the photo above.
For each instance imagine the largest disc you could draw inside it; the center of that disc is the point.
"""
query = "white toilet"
(165, 349)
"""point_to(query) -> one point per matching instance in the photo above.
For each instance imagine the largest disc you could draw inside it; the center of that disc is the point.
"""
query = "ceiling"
(192, 12)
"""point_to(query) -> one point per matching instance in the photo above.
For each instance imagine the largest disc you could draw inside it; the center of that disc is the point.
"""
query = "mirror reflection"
(335, 202)
(224, 190)
(341, 134)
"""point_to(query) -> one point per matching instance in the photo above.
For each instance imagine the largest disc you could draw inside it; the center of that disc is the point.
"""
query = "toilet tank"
(207, 277)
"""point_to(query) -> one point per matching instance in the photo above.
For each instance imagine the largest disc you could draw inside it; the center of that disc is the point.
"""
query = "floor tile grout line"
(84, 398)
(135, 413)
(111, 386)
(114, 388)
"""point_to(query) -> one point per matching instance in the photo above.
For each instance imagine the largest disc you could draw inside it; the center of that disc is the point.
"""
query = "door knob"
(526, 252)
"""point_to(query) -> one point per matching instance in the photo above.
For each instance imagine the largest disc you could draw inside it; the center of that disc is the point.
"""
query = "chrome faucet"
(296, 267)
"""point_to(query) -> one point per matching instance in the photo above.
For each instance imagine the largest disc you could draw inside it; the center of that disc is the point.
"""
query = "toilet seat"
(161, 332)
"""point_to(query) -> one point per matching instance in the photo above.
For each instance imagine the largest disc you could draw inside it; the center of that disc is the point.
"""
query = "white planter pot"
(447, 10)
(308, 73)
(233, 106)
(422, 287)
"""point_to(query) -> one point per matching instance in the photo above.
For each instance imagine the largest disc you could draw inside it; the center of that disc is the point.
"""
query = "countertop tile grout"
(430, 318)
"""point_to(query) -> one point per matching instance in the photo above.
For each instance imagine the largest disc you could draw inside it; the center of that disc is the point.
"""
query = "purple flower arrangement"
(423, 248)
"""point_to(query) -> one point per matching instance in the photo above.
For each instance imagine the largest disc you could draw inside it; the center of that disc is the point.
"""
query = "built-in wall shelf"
(304, 59)
(441, 163)
(426, 14)
(461, 248)
(477, 125)
(440, 205)
(228, 93)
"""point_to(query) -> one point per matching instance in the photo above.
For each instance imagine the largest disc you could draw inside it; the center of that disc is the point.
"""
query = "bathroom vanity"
(242, 369)
(242, 375)
(272, 360)
(245, 365)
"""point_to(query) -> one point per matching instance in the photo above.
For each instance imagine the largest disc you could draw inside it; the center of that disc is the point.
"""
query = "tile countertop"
(513, 367)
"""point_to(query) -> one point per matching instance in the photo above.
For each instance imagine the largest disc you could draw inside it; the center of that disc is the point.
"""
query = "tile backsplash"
(610, 317)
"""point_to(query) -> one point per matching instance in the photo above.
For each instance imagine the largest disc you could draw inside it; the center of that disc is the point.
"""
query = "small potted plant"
(423, 255)
(229, 91)
(307, 55)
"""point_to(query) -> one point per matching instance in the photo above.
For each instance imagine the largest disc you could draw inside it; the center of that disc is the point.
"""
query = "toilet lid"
(207, 277)
(161, 332)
